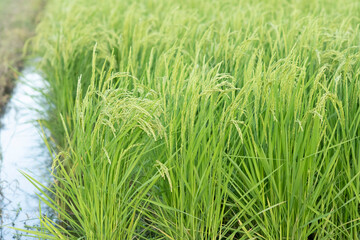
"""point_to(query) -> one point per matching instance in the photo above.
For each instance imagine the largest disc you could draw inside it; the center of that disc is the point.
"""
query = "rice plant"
(203, 119)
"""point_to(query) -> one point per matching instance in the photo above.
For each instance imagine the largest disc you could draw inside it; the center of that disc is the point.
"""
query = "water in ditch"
(22, 149)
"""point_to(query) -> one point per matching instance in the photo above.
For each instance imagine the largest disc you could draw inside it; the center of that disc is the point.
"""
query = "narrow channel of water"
(22, 148)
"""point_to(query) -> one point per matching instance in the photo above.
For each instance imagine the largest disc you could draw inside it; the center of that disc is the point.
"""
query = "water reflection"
(22, 149)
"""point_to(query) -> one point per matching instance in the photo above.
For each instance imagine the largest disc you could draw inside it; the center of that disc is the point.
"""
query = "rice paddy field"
(202, 119)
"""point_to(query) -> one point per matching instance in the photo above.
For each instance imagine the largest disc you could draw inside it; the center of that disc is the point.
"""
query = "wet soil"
(17, 24)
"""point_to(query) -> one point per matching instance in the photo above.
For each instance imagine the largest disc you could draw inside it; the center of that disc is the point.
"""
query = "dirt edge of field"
(18, 19)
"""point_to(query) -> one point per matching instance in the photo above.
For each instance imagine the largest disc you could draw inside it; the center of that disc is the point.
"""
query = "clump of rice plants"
(203, 119)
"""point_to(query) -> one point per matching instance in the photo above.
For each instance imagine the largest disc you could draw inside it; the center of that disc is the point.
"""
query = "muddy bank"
(17, 23)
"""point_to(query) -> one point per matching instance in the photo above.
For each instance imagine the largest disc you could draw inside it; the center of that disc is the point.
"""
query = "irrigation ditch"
(22, 150)
(21, 145)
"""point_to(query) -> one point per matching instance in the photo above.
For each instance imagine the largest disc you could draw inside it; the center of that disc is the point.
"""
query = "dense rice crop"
(203, 119)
